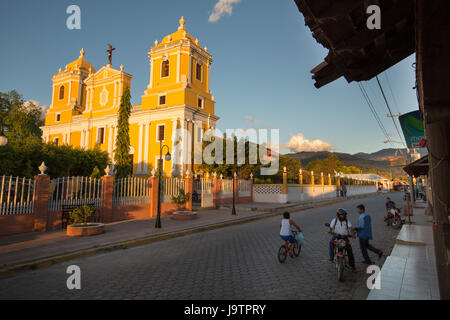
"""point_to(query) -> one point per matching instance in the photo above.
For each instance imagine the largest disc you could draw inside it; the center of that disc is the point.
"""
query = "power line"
(390, 111)
(373, 110)
(392, 92)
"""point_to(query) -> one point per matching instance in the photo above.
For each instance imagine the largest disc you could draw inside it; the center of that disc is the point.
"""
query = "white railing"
(75, 191)
(132, 190)
(171, 188)
(226, 188)
(244, 186)
(17, 195)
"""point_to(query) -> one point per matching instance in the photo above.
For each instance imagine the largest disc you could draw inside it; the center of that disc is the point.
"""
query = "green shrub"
(181, 199)
(81, 214)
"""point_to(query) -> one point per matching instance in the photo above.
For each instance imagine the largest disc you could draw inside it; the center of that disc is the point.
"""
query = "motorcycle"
(340, 254)
(394, 219)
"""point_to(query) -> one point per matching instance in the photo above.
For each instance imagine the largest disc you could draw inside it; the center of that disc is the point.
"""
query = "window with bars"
(198, 73)
(101, 136)
(200, 103)
(160, 133)
(61, 92)
(165, 69)
(162, 100)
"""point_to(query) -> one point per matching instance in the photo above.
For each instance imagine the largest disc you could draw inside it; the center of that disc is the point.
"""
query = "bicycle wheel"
(297, 249)
(282, 254)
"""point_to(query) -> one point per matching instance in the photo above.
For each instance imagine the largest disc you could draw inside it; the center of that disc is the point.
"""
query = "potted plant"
(81, 226)
(180, 201)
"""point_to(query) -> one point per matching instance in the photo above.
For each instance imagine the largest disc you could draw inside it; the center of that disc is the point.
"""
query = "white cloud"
(222, 7)
(251, 119)
(298, 143)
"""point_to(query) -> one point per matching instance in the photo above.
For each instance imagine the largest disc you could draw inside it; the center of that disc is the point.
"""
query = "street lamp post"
(167, 157)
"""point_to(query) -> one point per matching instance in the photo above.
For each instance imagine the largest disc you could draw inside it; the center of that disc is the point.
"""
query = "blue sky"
(262, 51)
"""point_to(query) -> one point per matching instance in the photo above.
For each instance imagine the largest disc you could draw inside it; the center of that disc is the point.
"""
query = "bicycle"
(283, 251)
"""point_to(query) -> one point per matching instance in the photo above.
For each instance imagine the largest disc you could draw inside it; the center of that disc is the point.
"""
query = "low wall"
(271, 193)
(355, 190)
(297, 193)
(18, 223)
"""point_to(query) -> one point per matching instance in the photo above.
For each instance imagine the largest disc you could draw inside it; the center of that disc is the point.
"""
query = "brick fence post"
(216, 190)
(153, 196)
(236, 187)
(42, 195)
(107, 214)
(188, 181)
(250, 182)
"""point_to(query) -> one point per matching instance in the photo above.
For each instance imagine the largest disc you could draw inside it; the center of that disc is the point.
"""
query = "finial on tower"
(81, 52)
(182, 22)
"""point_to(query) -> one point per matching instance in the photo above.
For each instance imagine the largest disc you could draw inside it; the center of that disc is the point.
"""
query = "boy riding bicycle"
(286, 233)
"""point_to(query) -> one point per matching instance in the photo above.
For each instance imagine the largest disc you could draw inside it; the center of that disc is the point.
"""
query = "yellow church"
(85, 105)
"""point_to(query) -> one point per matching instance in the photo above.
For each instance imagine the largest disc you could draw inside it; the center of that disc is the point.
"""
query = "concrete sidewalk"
(409, 273)
(37, 249)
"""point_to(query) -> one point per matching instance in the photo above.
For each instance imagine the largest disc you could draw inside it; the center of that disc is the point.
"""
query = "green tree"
(19, 119)
(124, 165)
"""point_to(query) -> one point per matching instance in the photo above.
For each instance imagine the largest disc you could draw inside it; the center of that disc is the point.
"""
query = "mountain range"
(366, 162)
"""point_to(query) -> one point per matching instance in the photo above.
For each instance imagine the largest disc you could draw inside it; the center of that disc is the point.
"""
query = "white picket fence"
(171, 188)
(75, 191)
(17, 195)
(131, 190)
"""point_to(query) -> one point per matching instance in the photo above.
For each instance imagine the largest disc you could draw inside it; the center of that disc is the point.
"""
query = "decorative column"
(146, 146)
(115, 129)
(110, 141)
(329, 179)
(284, 187)
(140, 151)
(216, 190)
(189, 189)
(174, 146)
(338, 185)
(322, 181)
(82, 139)
(300, 179)
(107, 214)
(312, 180)
(42, 194)
(251, 186)
(87, 138)
(153, 194)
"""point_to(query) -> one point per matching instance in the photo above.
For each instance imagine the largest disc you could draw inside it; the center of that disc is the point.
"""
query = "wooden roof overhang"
(356, 52)
(418, 167)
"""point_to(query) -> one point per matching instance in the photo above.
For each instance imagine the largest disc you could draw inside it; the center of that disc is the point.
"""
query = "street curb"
(48, 261)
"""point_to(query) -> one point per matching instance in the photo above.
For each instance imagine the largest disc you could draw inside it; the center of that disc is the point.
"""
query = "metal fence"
(132, 190)
(17, 195)
(171, 188)
(75, 191)
(226, 188)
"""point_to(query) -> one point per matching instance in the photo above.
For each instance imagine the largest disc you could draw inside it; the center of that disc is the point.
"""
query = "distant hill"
(376, 161)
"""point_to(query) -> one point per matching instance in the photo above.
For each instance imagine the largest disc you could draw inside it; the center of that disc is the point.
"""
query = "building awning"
(355, 52)
(418, 167)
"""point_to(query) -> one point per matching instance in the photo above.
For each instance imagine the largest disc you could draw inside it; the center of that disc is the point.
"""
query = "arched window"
(199, 72)
(61, 92)
(165, 69)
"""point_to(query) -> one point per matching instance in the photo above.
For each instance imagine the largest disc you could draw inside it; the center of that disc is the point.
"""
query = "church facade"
(176, 110)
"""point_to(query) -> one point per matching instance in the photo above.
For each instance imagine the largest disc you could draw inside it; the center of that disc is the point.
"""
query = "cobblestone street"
(237, 262)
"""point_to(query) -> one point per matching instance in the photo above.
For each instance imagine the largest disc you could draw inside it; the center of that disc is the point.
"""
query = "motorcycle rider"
(342, 227)
(389, 205)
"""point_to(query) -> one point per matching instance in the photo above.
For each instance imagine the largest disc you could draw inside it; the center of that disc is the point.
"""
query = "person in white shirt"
(341, 227)
(285, 231)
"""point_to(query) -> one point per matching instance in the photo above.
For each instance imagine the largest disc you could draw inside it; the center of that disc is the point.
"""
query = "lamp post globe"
(3, 139)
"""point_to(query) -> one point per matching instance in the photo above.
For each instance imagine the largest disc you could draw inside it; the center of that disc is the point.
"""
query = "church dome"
(81, 63)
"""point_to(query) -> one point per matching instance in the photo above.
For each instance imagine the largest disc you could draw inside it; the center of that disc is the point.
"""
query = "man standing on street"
(364, 230)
